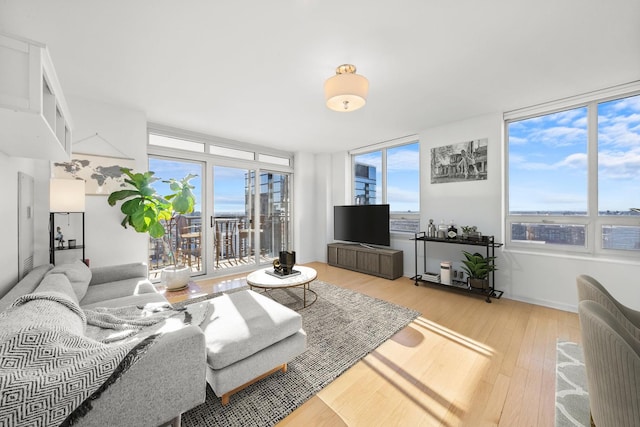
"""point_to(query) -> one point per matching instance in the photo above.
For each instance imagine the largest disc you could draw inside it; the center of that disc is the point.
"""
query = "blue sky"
(548, 159)
(403, 176)
(166, 169)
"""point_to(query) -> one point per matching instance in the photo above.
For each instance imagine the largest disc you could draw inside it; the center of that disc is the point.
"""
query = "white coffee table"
(260, 279)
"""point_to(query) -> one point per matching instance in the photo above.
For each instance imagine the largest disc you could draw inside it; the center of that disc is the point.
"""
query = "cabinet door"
(369, 262)
(347, 258)
(386, 266)
(332, 255)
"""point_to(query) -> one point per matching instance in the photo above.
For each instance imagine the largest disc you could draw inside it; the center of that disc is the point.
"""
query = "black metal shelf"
(53, 247)
(487, 242)
(67, 248)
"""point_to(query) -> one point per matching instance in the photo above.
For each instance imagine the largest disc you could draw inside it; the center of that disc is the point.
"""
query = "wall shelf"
(34, 117)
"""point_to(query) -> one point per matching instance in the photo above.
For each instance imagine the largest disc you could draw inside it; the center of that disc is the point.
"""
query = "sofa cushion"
(137, 300)
(240, 324)
(57, 283)
(117, 289)
(25, 286)
(78, 274)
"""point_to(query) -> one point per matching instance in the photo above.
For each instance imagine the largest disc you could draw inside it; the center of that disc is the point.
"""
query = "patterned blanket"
(50, 371)
(113, 324)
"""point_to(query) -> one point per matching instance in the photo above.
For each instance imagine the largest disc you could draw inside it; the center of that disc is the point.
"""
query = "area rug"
(572, 397)
(342, 327)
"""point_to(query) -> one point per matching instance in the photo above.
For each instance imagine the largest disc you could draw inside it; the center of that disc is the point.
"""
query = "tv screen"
(362, 224)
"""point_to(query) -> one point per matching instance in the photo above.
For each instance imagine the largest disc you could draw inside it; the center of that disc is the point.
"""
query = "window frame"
(592, 221)
(382, 187)
(264, 160)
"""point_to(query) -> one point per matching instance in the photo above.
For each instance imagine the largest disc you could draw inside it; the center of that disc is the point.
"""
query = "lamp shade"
(66, 195)
(346, 91)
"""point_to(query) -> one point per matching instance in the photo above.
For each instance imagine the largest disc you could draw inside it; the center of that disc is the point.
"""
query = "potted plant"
(478, 268)
(148, 212)
(471, 232)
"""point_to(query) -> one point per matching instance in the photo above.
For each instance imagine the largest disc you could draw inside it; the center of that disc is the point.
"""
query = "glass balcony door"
(232, 223)
(183, 241)
(249, 228)
(275, 213)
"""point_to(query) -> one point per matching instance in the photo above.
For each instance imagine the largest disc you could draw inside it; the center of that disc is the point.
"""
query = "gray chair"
(612, 360)
(590, 289)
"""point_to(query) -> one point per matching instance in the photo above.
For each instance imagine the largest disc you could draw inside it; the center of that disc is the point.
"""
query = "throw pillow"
(57, 283)
(79, 276)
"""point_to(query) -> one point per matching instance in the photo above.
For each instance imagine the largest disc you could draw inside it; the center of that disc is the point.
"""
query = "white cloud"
(619, 165)
(516, 140)
(403, 195)
(573, 161)
(403, 160)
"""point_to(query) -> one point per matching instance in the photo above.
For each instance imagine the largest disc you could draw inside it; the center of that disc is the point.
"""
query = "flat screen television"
(367, 224)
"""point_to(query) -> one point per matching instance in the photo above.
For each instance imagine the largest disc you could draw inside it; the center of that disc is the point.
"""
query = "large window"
(574, 176)
(243, 213)
(390, 175)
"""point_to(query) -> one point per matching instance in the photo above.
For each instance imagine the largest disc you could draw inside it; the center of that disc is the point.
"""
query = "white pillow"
(79, 276)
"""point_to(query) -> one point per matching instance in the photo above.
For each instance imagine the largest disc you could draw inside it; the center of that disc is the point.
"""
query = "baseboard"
(544, 303)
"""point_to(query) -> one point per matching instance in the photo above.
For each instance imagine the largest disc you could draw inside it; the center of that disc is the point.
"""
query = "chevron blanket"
(49, 370)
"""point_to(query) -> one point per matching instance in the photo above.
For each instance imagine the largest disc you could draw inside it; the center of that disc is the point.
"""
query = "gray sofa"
(162, 380)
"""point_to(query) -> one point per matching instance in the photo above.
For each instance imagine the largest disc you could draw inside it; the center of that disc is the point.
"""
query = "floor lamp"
(66, 196)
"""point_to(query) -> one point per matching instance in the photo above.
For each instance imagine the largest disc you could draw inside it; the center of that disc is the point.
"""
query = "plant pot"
(175, 278)
(482, 284)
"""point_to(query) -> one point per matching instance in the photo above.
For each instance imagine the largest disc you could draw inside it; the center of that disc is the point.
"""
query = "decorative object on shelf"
(283, 265)
(442, 230)
(59, 237)
(148, 212)
(445, 272)
(478, 268)
(72, 243)
(470, 232)
(431, 229)
(465, 161)
(346, 91)
(432, 277)
(452, 231)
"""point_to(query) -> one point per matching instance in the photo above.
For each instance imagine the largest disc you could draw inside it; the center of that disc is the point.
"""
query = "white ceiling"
(253, 70)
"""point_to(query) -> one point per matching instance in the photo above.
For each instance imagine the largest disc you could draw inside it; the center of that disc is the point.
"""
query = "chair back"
(612, 360)
(592, 290)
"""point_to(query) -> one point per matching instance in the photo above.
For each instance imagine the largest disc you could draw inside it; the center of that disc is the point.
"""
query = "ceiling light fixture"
(346, 91)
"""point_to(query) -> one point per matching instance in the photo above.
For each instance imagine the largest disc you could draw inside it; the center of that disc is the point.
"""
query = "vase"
(479, 283)
(176, 278)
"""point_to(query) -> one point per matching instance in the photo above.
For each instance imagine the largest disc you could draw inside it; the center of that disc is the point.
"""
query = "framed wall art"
(102, 174)
(464, 161)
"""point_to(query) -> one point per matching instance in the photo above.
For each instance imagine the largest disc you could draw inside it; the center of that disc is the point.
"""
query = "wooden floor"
(463, 362)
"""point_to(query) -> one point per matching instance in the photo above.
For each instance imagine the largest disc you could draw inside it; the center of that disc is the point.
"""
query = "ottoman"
(248, 336)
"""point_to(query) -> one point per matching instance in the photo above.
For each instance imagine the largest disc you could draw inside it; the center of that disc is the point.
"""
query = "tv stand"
(364, 245)
(387, 263)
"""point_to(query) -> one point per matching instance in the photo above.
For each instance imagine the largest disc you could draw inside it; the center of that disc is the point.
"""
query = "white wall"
(9, 168)
(107, 242)
(305, 215)
(542, 279)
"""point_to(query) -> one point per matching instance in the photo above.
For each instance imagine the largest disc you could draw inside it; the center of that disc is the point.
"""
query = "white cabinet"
(34, 117)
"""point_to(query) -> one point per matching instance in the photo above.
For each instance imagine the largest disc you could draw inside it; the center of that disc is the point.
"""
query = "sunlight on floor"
(421, 388)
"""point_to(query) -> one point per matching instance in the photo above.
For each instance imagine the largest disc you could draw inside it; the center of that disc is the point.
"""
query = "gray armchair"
(590, 289)
(612, 360)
